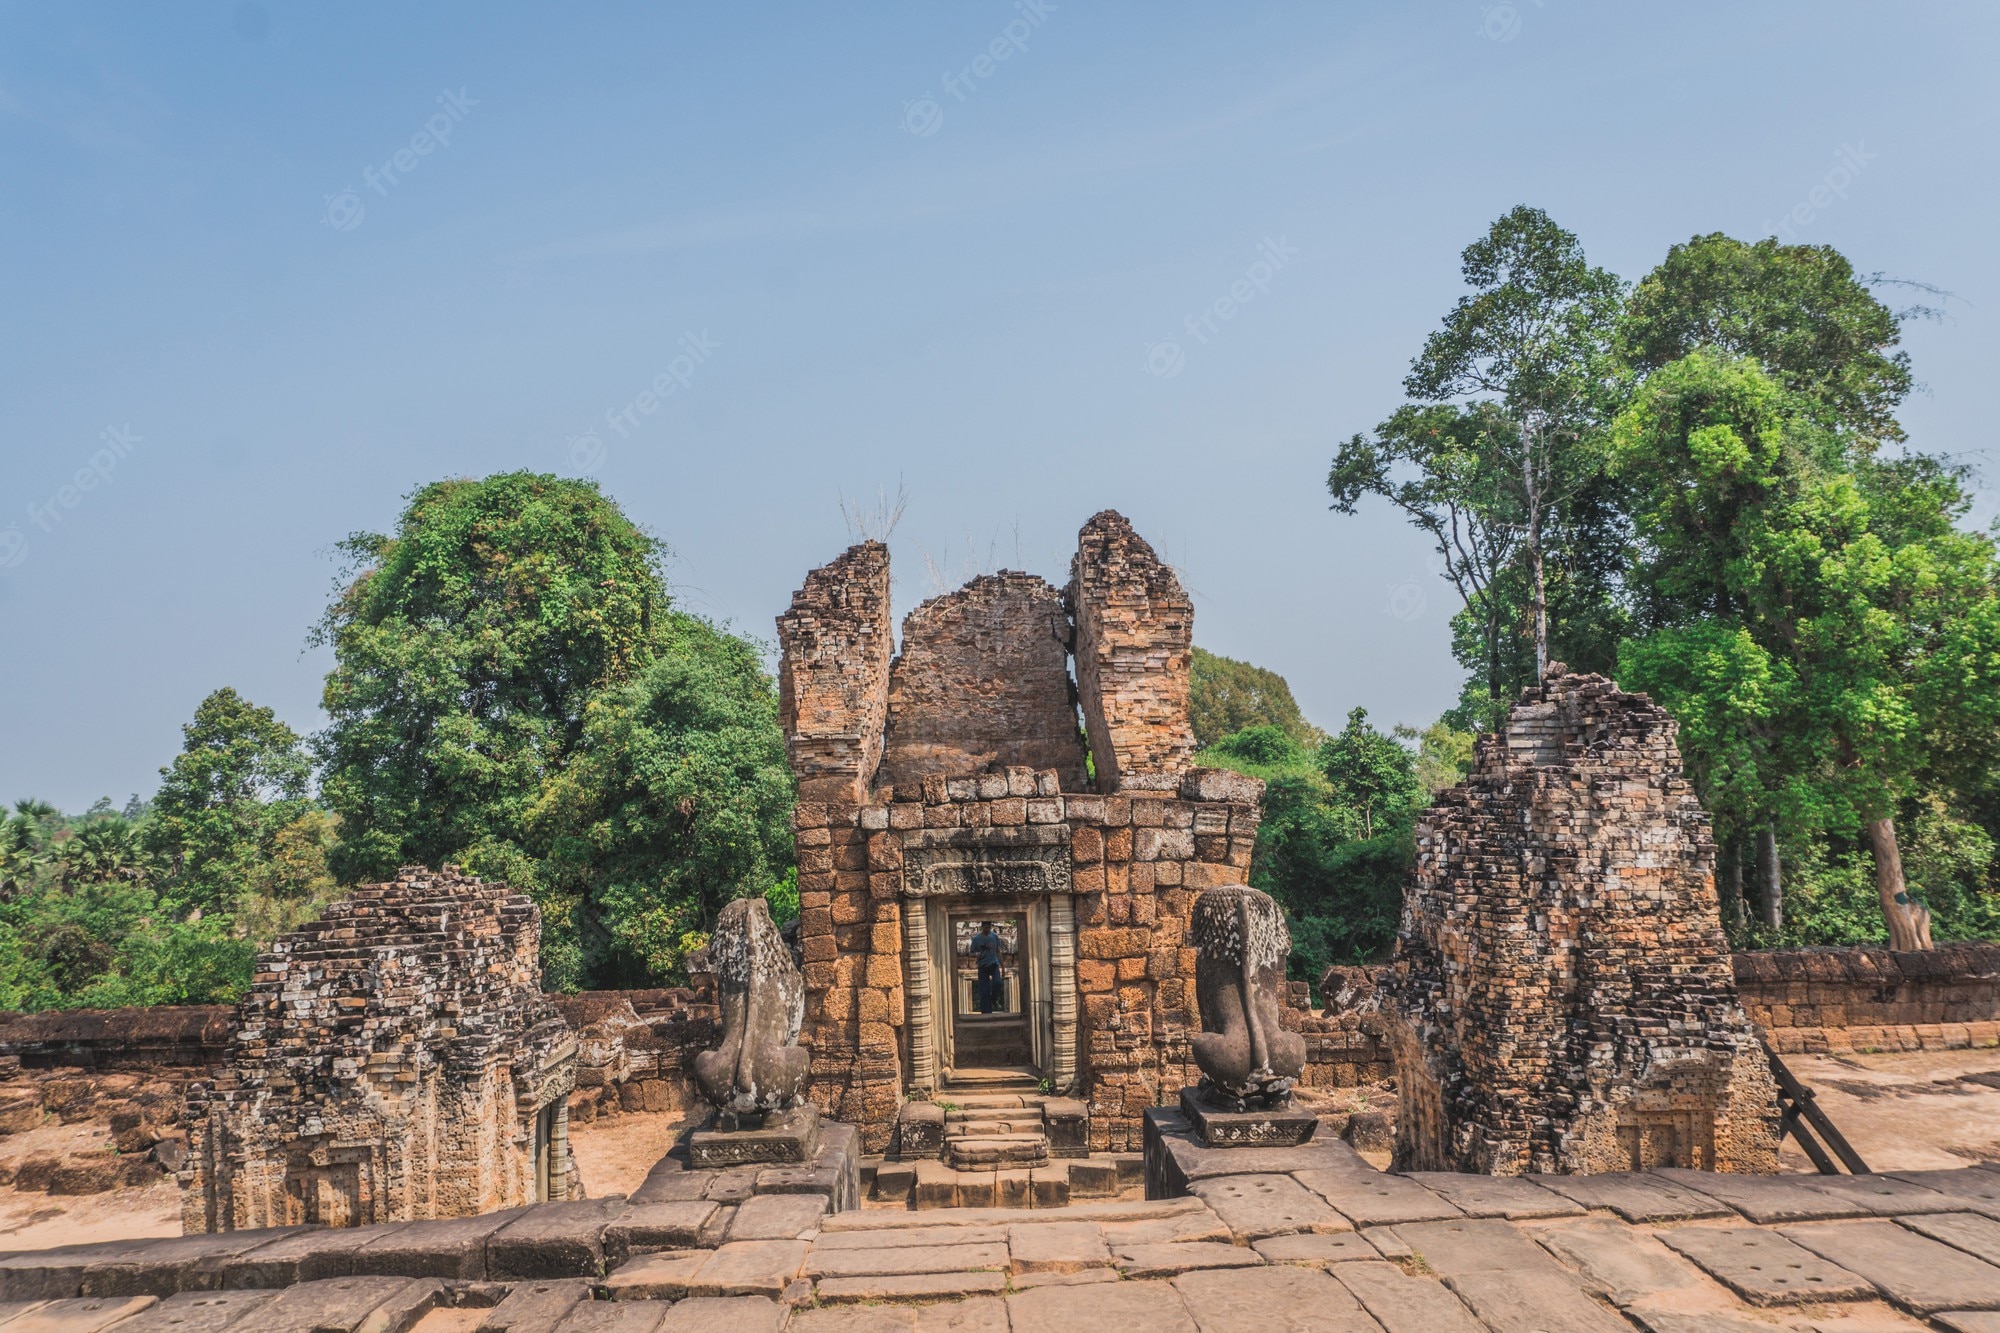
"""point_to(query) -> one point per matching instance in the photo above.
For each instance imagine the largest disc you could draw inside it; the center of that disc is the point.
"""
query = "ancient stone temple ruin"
(395, 1060)
(1562, 998)
(1000, 842)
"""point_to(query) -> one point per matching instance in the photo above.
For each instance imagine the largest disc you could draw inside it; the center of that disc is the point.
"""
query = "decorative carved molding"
(972, 869)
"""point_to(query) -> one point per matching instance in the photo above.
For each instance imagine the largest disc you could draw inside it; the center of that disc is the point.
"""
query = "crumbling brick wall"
(1562, 998)
(982, 680)
(1134, 657)
(394, 1060)
(833, 673)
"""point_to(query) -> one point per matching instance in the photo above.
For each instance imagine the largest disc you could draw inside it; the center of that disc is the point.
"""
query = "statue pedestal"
(1285, 1128)
(786, 1138)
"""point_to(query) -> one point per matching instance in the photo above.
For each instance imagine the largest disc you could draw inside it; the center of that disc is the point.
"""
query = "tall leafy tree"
(1498, 448)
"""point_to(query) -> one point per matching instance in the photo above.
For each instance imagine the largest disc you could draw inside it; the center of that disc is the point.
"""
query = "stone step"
(966, 1104)
(987, 1129)
(1046, 1185)
(1002, 1150)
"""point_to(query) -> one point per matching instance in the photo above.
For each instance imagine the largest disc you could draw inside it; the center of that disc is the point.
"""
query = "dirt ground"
(1907, 1112)
(614, 1155)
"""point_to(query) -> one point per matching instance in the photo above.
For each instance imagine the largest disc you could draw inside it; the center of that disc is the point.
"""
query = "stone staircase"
(1002, 1148)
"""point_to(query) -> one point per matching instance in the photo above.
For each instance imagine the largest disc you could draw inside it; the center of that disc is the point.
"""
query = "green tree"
(511, 691)
(1799, 311)
(1812, 620)
(1225, 696)
(677, 799)
(241, 776)
(1496, 460)
(467, 650)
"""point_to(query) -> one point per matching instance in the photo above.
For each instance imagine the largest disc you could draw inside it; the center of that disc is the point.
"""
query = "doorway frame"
(1036, 1007)
(927, 968)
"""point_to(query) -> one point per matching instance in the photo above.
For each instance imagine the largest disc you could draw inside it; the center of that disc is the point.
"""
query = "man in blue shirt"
(986, 952)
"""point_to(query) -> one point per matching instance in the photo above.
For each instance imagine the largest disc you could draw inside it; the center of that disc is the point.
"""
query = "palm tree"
(103, 849)
(22, 856)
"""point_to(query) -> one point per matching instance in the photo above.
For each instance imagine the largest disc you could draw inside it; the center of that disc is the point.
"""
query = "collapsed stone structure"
(394, 1060)
(952, 788)
(1562, 998)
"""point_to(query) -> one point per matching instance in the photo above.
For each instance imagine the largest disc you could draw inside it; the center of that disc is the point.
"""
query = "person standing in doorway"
(986, 952)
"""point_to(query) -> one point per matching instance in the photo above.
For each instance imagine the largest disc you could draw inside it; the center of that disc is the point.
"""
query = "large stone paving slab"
(1621, 1263)
(305, 1256)
(453, 1248)
(909, 1287)
(778, 1217)
(1506, 1304)
(1638, 1196)
(44, 1275)
(1914, 1271)
(711, 1314)
(1316, 1249)
(1256, 1206)
(906, 1259)
(656, 1277)
(645, 1227)
(83, 1314)
(749, 1268)
(1405, 1304)
(603, 1317)
(1975, 1190)
(1970, 1321)
(1495, 1196)
(1062, 1247)
(347, 1304)
(190, 1312)
(1119, 1210)
(171, 1264)
(532, 1307)
(1479, 1245)
(1140, 1261)
(1110, 1307)
(1282, 1300)
(1977, 1235)
(1764, 1267)
(553, 1240)
(1886, 1196)
(1768, 1199)
(1369, 1198)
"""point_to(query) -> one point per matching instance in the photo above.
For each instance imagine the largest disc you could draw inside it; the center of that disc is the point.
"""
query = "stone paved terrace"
(1304, 1239)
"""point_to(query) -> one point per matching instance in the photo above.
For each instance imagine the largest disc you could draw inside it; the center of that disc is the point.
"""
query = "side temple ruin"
(395, 1060)
(1561, 998)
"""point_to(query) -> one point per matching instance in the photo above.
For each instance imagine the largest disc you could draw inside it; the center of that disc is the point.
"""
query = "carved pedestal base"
(785, 1138)
(1215, 1128)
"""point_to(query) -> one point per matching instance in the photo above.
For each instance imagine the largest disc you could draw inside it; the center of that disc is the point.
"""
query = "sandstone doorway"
(990, 992)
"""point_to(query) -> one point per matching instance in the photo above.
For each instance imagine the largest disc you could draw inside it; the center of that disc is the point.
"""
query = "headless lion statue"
(759, 1066)
(1246, 1059)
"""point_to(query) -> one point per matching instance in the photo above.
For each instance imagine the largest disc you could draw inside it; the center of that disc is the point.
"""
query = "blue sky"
(900, 264)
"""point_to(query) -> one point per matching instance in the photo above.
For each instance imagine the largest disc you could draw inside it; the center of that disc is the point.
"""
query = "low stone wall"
(167, 1037)
(1842, 1000)
(636, 1049)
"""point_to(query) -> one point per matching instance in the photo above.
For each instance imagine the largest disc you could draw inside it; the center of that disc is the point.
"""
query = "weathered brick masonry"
(395, 1060)
(1562, 999)
(982, 795)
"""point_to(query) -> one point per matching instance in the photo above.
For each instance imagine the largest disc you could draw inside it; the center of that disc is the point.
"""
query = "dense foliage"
(1226, 696)
(512, 690)
(1722, 525)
